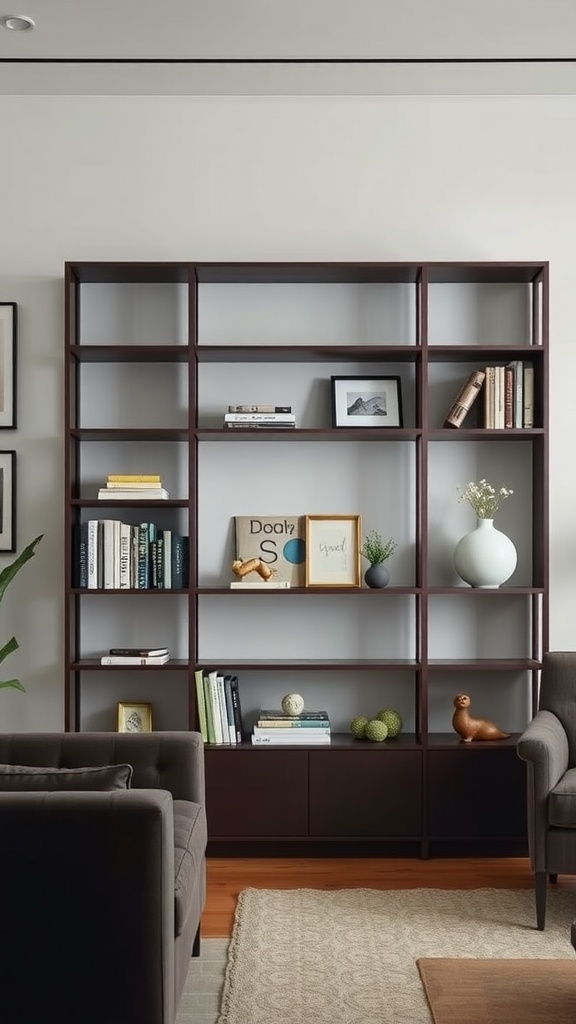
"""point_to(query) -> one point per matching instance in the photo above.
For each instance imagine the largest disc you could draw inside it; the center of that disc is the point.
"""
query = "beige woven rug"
(349, 956)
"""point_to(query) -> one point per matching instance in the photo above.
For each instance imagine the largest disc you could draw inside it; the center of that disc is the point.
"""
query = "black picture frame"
(366, 402)
(8, 351)
(8, 501)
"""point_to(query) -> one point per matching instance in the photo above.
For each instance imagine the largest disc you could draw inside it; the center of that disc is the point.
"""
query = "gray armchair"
(548, 745)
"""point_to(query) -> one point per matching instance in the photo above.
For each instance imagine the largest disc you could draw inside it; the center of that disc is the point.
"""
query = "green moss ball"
(358, 727)
(376, 731)
(392, 720)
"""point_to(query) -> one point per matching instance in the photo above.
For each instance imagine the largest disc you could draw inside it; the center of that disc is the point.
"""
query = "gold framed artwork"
(134, 716)
(333, 550)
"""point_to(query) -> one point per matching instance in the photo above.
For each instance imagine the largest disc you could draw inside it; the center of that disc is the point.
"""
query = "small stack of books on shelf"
(508, 392)
(219, 710)
(112, 555)
(132, 487)
(267, 417)
(136, 656)
(275, 728)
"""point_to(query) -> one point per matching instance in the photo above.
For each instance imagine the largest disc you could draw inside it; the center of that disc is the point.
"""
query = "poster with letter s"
(278, 541)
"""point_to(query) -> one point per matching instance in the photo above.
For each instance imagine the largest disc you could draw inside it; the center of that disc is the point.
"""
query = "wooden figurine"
(242, 569)
(469, 728)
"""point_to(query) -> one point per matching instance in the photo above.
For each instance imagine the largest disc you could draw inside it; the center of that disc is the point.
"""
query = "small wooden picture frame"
(134, 716)
(333, 550)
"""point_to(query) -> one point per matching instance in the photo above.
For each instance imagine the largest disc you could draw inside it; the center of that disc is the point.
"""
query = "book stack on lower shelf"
(132, 487)
(219, 711)
(136, 656)
(267, 417)
(276, 728)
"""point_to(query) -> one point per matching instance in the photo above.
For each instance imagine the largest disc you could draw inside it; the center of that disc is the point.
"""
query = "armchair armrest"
(544, 746)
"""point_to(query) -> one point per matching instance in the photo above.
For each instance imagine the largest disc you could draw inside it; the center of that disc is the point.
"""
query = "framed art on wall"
(8, 327)
(7, 501)
(366, 402)
(333, 551)
(134, 716)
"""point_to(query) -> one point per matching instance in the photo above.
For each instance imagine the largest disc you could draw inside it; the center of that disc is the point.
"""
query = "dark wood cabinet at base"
(476, 793)
(256, 793)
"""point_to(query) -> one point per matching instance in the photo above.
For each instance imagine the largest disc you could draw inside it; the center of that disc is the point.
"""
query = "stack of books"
(274, 727)
(136, 656)
(132, 486)
(218, 704)
(112, 555)
(267, 417)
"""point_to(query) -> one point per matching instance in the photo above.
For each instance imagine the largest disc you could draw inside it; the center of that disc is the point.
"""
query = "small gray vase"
(377, 576)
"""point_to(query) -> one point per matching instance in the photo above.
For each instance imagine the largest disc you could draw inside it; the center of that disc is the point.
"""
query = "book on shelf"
(132, 494)
(528, 401)
(222, 708)
(277, 540)
(138, 652)
(508, 397)
(286, 724)
(259, 426)
(120, 659)
(215, 707)
(276, 714)
(260, 408)
(208, 707)
(270, 585)
(259, 417)
(201, 704)
(313, 731)
(294, 739)
(236, 706)
(465, 399)
(134, 478)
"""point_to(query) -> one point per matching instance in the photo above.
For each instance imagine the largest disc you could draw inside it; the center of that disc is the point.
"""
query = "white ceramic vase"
(486, 557)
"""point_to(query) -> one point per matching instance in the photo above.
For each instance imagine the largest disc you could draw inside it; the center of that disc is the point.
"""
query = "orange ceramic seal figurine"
(469, 728)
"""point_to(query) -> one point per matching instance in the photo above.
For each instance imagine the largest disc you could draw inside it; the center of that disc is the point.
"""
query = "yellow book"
(133, 478)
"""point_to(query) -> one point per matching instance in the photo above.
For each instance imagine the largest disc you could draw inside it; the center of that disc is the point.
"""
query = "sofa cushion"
(19, 778)
(562, 801)
(190, 838)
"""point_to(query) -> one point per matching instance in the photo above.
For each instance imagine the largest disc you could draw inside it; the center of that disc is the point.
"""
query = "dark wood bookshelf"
(425, 792)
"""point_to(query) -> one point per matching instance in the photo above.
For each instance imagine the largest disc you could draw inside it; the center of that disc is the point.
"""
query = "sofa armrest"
(80, 872)
(544, 746)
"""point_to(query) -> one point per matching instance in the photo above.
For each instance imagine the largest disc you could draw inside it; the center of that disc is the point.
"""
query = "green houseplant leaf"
(6, 577)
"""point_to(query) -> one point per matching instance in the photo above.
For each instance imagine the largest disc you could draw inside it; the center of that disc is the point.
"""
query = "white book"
(119, 659)
(154, 494)
(167, 559)
(272, 585)
(528, 418)
(293, 740)
(125, 556)
(260, 417)
(312, 731)
(215, 707)
(222, 707)
(93, 554)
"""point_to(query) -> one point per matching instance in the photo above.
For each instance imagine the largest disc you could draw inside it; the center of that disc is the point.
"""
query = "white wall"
(109, 178)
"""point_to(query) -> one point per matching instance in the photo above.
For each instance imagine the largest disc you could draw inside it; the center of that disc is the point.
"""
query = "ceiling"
(290, 47)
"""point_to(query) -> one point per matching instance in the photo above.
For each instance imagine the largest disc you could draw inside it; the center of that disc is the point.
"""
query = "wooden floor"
(228, 876)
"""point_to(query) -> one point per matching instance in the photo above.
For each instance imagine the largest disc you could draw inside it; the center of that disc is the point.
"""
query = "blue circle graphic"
(294, 551)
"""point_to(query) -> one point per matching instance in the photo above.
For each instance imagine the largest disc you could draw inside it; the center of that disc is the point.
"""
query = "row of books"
(132, 487)
(111, 555)
(274, 728)
(508, 394)
(219, 711)
(136, 656)
(268, 417)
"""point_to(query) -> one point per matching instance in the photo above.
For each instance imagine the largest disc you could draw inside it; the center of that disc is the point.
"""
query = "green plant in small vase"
(6, 577)
(377, 551)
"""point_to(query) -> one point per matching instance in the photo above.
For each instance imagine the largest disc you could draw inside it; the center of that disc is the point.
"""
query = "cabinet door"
(360, 792)
(256, 793)
(477, 791)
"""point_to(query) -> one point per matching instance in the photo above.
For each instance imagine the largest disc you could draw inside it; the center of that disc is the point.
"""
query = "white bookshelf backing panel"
(500, 697)
(479, 626)
(133, 620)
(306, 314)
(169, 459)
(100, 693)
(131, 395)
(133, 314)
(303, 627)
(479, 314)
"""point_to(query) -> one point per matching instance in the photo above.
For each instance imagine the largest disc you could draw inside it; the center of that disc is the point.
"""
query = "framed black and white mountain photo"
(366, 402)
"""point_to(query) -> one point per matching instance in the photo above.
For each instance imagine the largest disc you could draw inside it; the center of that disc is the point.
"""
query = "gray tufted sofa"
(101, 892)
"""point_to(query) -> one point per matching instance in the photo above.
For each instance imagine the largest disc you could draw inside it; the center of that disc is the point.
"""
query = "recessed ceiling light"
(16, 22)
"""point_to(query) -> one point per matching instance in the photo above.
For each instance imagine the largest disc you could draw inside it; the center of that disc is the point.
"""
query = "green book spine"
(200, 701)
(208, 707)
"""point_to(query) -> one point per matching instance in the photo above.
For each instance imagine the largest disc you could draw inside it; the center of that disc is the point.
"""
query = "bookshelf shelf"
(193, 337)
